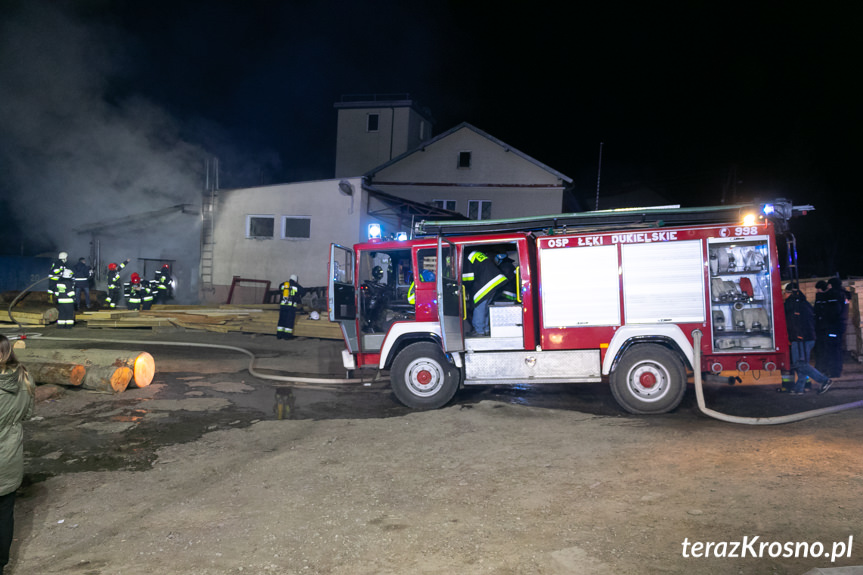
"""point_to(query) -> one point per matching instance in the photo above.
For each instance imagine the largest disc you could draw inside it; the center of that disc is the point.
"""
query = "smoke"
(75, 150)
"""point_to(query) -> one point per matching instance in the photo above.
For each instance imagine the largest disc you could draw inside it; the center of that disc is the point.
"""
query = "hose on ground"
(699, 394)
(306, 381)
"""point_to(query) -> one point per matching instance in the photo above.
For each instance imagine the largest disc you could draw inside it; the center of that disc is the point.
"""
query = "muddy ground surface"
(196, 474)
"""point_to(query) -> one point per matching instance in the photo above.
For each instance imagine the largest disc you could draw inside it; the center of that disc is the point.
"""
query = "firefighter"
(57, 267)
(508, 290)
(483, 280)
(135, 291)
(292, 294)
(65, 292)
(148, 293)
(82, 273)
(163, 288)
(114, 289)
(425, 276)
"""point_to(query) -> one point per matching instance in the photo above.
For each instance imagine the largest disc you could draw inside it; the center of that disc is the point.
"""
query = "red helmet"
(165, 266)
(112, 267)
(135, 278)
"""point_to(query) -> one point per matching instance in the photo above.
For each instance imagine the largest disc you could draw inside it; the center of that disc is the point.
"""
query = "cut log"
(57, 373)
(141, 362)
(107, 379)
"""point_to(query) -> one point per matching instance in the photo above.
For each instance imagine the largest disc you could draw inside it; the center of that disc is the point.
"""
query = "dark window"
(479, 209)
(464, 159)
(260, 226)
(296, 228)
(445, 204)
(372, 121)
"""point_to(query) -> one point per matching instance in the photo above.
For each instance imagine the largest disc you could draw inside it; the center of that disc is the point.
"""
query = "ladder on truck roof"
(611, 219)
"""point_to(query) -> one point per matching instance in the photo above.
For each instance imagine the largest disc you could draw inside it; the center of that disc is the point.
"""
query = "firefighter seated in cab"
(425, 276)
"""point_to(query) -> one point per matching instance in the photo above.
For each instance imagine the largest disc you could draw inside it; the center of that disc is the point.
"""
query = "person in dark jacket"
(163, 288)
(81, 274)
(292, 296)
(830, 306)
(17, 398)
(800, 320)
(508, 289)
(483, 280)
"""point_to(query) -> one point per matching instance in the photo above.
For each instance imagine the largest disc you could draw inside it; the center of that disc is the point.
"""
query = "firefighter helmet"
(165, 266)
(135, 278)
(377, 273)
(112, 266)
(63, 256)
(293, 278)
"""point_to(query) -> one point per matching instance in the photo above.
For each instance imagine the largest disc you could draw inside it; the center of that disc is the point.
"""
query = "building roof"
(464, 125)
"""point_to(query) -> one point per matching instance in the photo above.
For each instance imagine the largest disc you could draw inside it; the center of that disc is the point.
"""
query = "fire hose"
(251, 368)
(284, 378)
(699, 394)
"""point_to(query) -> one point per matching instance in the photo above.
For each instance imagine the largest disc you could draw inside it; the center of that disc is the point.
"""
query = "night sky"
(110, 108)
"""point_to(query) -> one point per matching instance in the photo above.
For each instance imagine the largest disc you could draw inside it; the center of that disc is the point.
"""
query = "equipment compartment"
(740, 294)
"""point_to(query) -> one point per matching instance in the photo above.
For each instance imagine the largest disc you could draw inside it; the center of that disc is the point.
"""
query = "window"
(372, 121)
(296, 227)
(260, 227)
(479, 209)
(445, 204)
(464, 159)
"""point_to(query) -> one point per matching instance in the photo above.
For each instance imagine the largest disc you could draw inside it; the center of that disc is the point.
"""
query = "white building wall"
(335, 217)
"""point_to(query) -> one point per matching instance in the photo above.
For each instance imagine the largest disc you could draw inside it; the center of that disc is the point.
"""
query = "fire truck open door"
(450, 302)
(341, 294)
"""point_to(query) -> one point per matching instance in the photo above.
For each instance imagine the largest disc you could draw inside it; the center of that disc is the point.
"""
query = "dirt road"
(195, 475)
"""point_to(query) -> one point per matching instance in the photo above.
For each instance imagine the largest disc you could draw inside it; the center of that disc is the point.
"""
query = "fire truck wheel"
(648, 379)
(422, 378)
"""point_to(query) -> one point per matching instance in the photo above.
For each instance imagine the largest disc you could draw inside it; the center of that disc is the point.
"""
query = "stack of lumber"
(261, 318)
(32, 314)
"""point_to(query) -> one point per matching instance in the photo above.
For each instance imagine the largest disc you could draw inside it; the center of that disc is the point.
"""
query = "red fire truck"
(612, 293)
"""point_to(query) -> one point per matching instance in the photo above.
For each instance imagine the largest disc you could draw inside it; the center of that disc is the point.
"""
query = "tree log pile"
(102, 370)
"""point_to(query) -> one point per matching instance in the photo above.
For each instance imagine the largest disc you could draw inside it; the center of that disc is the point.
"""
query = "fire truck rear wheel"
(422, 378)
(648, 379)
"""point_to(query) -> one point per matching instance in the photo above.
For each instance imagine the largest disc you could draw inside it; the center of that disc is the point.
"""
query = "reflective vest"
(482, 275)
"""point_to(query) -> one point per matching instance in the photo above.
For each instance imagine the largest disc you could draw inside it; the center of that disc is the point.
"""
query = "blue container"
(19, 272)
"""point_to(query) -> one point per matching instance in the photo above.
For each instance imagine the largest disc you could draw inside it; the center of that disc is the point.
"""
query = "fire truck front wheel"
(648, 379)
(422, 378)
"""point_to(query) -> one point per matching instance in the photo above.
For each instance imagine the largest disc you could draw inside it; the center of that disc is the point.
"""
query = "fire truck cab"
(615, 293)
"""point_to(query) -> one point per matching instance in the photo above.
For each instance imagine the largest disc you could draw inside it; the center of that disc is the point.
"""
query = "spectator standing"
(800, 321)
(17, 399)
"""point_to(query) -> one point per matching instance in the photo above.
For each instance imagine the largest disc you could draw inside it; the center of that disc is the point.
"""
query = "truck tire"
(422, 378)
(648, 379)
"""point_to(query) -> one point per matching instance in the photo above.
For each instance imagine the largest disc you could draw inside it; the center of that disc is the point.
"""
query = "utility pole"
(598, 174)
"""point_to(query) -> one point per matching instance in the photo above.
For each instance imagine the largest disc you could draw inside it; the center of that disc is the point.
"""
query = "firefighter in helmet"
(292, 295)
(135, 291)
(162, 284)
(57, 267)
(65, 292)
(114, 288)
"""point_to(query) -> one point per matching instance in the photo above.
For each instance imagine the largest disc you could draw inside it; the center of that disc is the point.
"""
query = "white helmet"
(314, 315)
(293, 278)
(63, 256)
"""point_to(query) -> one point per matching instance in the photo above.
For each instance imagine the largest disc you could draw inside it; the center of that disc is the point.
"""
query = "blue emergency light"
(374, 232)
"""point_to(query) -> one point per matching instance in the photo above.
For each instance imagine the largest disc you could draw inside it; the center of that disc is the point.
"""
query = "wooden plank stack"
(261, 318)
